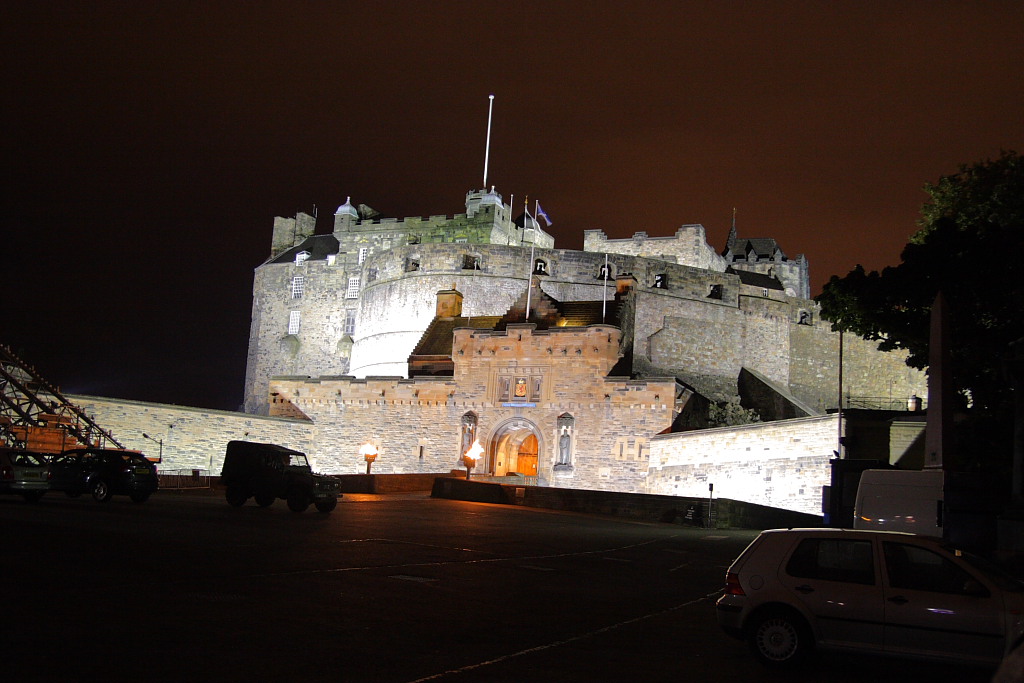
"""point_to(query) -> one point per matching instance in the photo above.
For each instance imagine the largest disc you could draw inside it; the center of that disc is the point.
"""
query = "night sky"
(148, 146)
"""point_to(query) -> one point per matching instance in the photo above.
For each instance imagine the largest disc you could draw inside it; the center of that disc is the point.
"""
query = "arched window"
(540, 267)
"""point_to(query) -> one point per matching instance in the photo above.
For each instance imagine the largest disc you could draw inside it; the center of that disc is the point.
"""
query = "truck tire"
(236, 497)
(326, 505)
(265, 499)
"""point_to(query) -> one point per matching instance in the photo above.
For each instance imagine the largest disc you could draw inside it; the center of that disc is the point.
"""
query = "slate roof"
(758, 279)
(763, 247)
(318, 246)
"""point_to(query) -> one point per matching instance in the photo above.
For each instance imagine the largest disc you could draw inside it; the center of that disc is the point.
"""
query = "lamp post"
(369, 453)
(470, 457)
(160, 458)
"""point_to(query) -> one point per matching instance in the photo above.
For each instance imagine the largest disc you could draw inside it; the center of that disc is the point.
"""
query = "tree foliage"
(970, 246)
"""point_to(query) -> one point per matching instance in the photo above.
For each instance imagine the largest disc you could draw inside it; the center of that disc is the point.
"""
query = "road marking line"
(559, 643)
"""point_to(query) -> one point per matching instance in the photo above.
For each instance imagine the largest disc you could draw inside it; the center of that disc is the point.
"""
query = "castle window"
(716, 292)
(764, 292)
(353, 288)
(362, 254)
(470, 262)
(604, 273)
(461, 240)
(298, 286)
(331, 258)
(661, 281)
(293, 322)
(386, 244)
(540, 267)
(411, 265)
(371, 274)
(301, 257)
(350, 322)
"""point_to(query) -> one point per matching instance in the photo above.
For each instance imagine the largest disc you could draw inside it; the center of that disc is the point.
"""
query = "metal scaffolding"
(28, 402)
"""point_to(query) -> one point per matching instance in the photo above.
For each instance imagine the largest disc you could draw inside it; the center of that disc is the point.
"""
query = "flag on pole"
(542, 214)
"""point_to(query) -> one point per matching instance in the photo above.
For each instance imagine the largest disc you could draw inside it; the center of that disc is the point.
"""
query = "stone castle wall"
(781, 464)
(688, 247)
(193, 438)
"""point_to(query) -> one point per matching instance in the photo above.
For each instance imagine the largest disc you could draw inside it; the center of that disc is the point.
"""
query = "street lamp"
(158, 441)
(369, 453)
(471, 456)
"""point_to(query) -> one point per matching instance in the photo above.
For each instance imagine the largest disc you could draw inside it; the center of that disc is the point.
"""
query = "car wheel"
(780, 638)
(32, 496)
(265, 499)
(326, 505)
(236, 496)
(100, 491)
(139, 497)
(297, 502)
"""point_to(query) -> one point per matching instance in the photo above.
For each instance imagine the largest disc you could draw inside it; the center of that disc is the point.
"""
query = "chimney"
(449, 303)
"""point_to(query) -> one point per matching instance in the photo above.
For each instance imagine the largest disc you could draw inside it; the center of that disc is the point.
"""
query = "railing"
(184, 479)
(913, 404)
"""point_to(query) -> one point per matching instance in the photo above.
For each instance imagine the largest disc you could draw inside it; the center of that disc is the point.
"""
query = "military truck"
(266, 472)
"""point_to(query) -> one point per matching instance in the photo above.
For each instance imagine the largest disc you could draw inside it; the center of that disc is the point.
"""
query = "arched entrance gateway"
(513, 448)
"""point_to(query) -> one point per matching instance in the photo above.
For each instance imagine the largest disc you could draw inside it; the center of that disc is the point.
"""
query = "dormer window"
(301, 257)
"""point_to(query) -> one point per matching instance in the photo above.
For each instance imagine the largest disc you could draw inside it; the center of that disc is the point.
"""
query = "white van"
(900, 500)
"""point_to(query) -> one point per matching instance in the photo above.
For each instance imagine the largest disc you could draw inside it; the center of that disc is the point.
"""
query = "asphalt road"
(395, 588)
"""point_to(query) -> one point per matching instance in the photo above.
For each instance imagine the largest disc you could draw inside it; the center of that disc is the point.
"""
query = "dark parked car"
(267, 472)
(24, 473)
(103, 473)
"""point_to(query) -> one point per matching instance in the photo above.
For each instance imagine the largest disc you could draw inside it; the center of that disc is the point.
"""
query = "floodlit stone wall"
(193, 438)
(781, 464)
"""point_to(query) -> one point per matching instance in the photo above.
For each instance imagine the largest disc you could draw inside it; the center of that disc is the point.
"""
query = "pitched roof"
(318, 246)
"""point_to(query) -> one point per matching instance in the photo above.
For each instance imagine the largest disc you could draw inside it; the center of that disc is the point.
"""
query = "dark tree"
(969, 246)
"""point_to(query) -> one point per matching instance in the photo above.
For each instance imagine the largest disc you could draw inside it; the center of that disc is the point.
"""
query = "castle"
(422, 336)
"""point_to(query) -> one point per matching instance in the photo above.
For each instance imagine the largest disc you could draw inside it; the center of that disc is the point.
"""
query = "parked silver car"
(24, 473)
(793, 590)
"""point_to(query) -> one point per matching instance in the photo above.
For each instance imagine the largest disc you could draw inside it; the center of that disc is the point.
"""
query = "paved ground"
(396, 588)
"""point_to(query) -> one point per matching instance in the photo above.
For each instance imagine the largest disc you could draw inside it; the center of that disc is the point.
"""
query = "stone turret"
(346, 216)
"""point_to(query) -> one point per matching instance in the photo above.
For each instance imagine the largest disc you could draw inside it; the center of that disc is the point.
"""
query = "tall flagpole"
(487, 150)
(604, 289)
(511, 204)
(529, 271)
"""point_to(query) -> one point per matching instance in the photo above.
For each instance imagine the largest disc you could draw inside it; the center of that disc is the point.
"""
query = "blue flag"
(542, 214)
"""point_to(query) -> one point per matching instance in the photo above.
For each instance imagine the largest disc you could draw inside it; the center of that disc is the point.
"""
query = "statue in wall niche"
(564, 443)
(468, 432)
